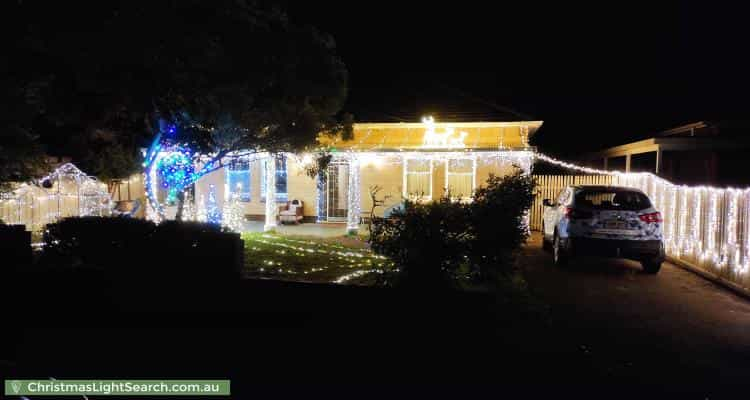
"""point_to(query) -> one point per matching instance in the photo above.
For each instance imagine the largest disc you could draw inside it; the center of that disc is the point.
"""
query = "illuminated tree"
(232, 216)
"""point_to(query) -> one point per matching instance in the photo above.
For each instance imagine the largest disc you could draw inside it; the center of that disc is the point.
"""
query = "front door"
(337, 191)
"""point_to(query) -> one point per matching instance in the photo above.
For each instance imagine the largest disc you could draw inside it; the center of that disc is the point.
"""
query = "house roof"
(436, 136)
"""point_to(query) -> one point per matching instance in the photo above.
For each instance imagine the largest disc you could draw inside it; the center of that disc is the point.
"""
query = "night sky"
(596, 73)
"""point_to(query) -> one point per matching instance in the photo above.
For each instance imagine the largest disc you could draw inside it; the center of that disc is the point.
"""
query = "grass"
(311, 259)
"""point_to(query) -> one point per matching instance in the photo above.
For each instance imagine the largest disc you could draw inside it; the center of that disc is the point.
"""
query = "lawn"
(311, 259)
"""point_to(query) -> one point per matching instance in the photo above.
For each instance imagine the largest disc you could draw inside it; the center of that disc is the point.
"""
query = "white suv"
(610, 221)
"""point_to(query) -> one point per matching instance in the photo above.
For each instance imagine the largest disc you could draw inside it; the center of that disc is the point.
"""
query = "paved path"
(670, 328)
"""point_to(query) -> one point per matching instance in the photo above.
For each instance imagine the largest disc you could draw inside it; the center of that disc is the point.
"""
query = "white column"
(271, 207)
(627, 163)
(659, 161)
(353, 198)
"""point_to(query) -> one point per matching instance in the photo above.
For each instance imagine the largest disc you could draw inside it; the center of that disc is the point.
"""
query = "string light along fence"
(66, 192)
(705, 227)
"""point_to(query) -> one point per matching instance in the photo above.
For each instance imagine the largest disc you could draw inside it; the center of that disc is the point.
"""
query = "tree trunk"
(180, 205)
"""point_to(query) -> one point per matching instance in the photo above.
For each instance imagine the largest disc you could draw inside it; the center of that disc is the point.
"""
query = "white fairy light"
(188, 210)
(271, 208)
(338, 257)
(682, 223)
(353, 196)
(201, 214)
(710, 251)
(731, 251)
(232, 215)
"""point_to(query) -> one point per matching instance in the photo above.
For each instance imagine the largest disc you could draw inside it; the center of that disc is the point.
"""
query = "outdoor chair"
(126, 208)
(291, 212)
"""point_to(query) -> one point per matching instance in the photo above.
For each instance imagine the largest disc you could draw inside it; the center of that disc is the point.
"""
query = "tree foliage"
(21, 157)
(21, 154)
(228, 73)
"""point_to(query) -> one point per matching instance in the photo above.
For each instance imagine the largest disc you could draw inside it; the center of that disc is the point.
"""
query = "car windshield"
(612, 199)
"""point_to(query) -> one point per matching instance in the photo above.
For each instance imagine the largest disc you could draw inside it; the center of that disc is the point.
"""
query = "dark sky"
(597, 73)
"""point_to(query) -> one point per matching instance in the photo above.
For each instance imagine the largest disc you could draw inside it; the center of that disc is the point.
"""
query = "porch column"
(270, 194)
(320, 184)
(353, 198)
(659, 161)
(627, 163)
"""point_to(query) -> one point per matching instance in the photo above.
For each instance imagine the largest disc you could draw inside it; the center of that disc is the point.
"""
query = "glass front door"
(337, 191)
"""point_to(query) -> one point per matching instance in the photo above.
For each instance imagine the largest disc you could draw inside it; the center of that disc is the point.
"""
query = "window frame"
(249, 171)
(281, 197)
(406, 180)
(473, 176)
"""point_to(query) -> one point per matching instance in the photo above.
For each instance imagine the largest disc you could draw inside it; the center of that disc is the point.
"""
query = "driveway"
(673, 328)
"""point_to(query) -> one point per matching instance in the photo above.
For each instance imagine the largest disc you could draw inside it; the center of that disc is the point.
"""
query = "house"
(711, 153)
(422, 160)
(65, 192)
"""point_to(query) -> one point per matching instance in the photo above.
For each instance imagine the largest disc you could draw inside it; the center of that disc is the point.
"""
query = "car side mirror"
(548, 203)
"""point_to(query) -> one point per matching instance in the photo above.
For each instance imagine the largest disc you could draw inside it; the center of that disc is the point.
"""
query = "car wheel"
(651, 267)
(558, 253)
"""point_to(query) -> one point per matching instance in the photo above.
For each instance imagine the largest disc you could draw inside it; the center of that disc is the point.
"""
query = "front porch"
(383, 164)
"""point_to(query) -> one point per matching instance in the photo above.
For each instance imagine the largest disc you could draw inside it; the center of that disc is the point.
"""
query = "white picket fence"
(706, 227)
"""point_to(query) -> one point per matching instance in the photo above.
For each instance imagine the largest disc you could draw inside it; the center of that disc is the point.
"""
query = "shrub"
(498, 222)
(195, 251)
(15, 247)
(431, 242)
(427, 242)
(95, 241)
(135, 248)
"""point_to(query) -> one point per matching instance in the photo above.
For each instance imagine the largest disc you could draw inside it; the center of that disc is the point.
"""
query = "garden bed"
(344, 260)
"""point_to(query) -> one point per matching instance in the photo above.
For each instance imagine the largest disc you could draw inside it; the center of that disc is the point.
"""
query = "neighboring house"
(697, 153)
(407, 160)
(65, 192)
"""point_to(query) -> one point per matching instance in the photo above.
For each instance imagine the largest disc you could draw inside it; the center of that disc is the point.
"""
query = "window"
(418, 179)
(612, 199)
(238, 179)
(459, 177)
(281, 189)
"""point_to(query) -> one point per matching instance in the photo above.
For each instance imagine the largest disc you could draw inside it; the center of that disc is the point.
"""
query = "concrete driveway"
(673, 328)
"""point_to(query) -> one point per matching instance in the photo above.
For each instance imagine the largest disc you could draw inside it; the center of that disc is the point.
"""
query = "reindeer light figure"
(445, 139)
